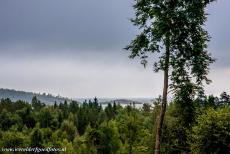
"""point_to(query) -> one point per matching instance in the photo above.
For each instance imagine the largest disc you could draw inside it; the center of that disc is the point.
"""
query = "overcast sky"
(75, 48)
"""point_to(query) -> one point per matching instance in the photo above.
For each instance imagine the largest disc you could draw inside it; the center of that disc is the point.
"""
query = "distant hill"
(15, 95)
(126, 101)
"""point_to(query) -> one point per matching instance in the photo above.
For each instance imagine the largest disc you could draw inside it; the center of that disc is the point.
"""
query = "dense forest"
(201, 126)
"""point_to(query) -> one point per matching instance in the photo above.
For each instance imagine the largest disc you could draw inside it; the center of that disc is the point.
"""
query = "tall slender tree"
(176, 28)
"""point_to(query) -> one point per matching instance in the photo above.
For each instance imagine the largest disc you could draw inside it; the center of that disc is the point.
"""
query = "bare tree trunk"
(164, 99)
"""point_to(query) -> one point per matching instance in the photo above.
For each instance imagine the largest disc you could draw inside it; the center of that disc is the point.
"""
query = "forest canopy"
(84, 128)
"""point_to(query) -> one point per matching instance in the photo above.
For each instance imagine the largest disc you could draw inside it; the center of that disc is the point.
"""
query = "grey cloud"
(73, 26)
(218, 28)
(81, 24)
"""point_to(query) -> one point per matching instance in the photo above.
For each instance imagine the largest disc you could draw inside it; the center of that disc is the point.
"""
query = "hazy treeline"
(15, 95)
(201, 126)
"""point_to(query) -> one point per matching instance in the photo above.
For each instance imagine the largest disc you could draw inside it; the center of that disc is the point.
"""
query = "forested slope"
(15, 95)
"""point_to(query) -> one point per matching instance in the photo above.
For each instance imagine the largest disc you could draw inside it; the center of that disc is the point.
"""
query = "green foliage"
(175, 131)
(27, 117)
(36, 138)
(89, 113)
(211, 134)
(69, 128)
(45, 117)
(109, 139)
(182, 23)
(36, 103)
(68, 145)
(11, 139)
(110, 111)
(119, 130)
(224, 99)
(146, 107)
(8, 119)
